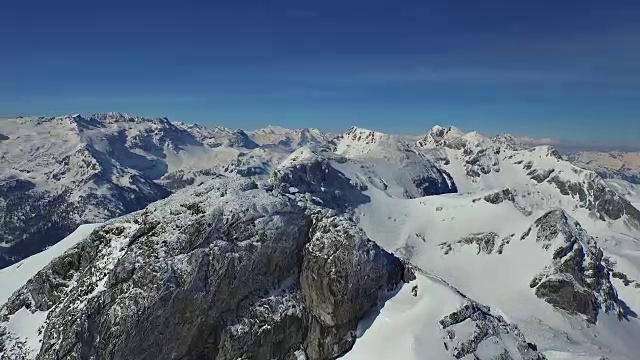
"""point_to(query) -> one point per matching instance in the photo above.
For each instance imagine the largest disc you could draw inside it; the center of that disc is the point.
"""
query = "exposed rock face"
(226, 270)
(595, 195)
(500, 196)
(342, 276)
(390, 163)
(540, 175)
(577, 280)
(485, 242)
(472, 330)
(309, 171)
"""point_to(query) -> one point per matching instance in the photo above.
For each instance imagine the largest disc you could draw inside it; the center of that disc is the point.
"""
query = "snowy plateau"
(196, 242)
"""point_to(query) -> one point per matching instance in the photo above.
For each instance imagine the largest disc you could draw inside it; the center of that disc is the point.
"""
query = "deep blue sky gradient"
(564, 69)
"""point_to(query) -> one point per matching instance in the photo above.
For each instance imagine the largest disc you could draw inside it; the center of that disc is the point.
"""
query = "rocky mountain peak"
(118, 117)
(230, 269)
(577, 280)
(507, 141)
(440, 136)
(362, 135)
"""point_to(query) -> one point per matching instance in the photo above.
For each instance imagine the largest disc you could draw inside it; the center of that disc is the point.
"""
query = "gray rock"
(227, 270)
(594, 195)
(484, 241)
(540, 175)
(473, 324)
(500, 196)
(315, 176)
(577, 280)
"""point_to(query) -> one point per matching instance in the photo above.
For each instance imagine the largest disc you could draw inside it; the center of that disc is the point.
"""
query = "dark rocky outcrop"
(226, 270)
(485, 242)
(485, 327)
(500, 196)
(593, 194)
(311, 172)
(577, 280)
(540, 175)
(429, 184)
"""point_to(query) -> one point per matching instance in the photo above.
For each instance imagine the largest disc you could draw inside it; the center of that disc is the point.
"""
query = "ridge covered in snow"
(59, 172)
(611, 165)
(290, 139)
(508, 251)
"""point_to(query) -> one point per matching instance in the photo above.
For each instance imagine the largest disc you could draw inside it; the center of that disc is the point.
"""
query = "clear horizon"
(564, 70)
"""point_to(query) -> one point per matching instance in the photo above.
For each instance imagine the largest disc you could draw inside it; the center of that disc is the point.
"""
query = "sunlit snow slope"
(530, 235)
(26, 325)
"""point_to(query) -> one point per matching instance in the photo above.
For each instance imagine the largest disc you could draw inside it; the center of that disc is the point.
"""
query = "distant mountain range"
(60, 172)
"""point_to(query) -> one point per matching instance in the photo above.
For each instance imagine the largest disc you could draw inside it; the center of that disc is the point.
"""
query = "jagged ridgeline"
(227, 270)
(59, 172)
(286, 244)
(230, 269)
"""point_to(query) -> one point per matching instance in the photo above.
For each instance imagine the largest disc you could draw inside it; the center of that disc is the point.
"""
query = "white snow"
(27, 327)
(426, 231)
(421, 229)
(406, 327)
(626, 189)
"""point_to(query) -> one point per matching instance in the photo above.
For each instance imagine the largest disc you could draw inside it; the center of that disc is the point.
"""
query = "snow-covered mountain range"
(611, 165)
(59, 172)
(294, 244)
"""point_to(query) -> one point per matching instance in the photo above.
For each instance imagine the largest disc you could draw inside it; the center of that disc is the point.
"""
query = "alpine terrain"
(610, 165)
(210, 243)
(59, 172)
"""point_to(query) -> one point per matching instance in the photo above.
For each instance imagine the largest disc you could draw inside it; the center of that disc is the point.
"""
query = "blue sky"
(564, 69)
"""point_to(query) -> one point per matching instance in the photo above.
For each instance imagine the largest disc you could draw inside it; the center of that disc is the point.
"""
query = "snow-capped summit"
(118, 117)
(507, 141)
(508, 252)
(390, 163)
(217, 136)
(441, 136)
(360, 142)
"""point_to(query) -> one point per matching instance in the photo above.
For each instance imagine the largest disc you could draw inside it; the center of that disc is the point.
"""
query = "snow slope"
(397, 320)
(629, 190)
(26, 325)
(481, 242)
(612, 164)
(16, 275)
(428, 319)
